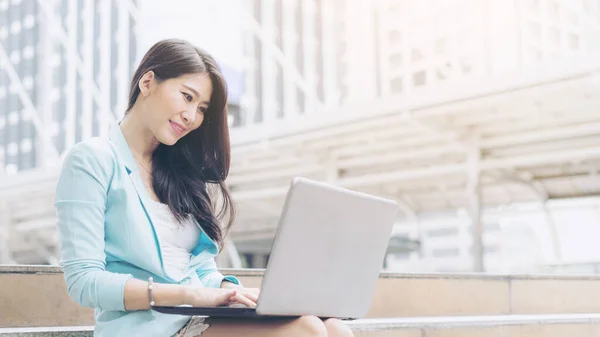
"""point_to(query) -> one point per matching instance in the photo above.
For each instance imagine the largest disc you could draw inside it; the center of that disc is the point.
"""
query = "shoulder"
(94, 154)
(88, 167)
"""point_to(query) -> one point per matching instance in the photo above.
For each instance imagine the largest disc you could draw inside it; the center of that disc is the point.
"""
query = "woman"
(135, 210)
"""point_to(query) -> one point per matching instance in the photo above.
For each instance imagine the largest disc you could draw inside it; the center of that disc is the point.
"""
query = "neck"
(140, 139)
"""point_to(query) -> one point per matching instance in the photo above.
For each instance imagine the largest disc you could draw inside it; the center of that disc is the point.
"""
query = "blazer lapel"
(118, 139)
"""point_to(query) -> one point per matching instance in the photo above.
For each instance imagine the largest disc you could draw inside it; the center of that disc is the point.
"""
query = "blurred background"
(480, 117)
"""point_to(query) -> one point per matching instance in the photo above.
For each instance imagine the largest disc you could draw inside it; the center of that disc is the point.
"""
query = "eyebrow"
(195, 93)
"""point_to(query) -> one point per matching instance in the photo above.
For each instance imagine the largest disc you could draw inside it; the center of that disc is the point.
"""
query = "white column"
(72, 90)
(267, 22)
(248, 101)
(290, 37)
(122, 69)
(552, 228)
(474, 196)
(44, 84)
(104, 76)
(229, 257)
(88, 68)
(331, 97)
(309, 64)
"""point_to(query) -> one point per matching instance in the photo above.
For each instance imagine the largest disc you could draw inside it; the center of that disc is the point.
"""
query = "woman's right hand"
(209, 297)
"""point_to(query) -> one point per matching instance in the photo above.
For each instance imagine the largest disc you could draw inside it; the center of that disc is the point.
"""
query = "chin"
(168, 140)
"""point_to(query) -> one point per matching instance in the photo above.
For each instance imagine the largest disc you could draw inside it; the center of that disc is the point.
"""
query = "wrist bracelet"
(150, 297)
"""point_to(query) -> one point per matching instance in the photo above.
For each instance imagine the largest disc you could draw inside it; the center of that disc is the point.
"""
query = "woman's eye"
(188, 97)
(203, 110)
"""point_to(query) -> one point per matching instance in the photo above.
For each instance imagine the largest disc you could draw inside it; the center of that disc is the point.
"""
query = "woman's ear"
(146, 83)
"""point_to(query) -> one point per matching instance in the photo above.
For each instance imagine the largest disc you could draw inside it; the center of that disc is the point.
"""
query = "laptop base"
(217, 312)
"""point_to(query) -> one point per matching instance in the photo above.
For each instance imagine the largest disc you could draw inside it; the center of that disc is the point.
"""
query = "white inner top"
(176, 239)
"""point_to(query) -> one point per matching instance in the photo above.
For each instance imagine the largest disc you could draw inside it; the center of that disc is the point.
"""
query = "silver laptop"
(326, 256)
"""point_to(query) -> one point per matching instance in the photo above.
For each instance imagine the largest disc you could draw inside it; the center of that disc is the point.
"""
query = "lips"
(178, 128)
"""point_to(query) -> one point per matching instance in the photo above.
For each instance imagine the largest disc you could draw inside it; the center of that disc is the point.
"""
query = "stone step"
(579, 325)
(36, 296)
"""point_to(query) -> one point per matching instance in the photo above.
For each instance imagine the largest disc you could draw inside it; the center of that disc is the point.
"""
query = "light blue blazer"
(107, 236)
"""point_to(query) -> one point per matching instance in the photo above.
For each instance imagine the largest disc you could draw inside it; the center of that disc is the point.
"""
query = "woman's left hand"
(246, 296)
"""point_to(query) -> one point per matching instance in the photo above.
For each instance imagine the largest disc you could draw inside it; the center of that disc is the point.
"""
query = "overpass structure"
(517, 120)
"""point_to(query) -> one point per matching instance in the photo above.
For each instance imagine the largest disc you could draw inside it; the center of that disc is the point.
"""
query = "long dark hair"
(185, 175)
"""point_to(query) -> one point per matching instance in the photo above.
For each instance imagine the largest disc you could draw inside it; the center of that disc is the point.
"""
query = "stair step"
(580, 325)
(36, 296)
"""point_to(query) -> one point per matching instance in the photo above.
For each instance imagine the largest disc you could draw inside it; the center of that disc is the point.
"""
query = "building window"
(28, 52)
(25, 115)
(416, 55)
(442, 232)
(12, 149)
(573, 41)
(440, 46)
(26, 145)
(487, 249)
(396, 85)
(535, 31)
(420, 78)
(491, 249)
(446, 252)
(555, 37)
(15, 28)
(554, 10)
(402, 256)
(29, 21)
(492, 227)
(395, 60)
(15, 57)
(13, 118)
(487, 227)
(395, 37)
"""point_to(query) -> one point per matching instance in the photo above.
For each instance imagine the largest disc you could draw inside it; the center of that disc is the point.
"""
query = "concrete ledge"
(469, 321)
(63, 331)
(530, 325)
(45, 269)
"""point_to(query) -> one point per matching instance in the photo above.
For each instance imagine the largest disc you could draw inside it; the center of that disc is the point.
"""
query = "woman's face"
(177, 105)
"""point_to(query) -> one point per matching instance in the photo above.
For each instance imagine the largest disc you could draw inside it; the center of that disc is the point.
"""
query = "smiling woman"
(136, 220)
(179, 97)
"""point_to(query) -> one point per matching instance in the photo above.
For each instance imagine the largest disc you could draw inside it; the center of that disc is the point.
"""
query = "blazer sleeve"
(81, 195)
(211, 277)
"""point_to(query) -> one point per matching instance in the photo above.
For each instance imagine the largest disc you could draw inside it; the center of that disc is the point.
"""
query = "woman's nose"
(188, 118)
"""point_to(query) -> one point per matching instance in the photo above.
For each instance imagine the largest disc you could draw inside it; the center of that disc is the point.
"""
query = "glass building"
(65, 74)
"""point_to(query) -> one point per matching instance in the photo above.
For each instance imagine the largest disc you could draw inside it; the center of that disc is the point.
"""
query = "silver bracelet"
(150, 297)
